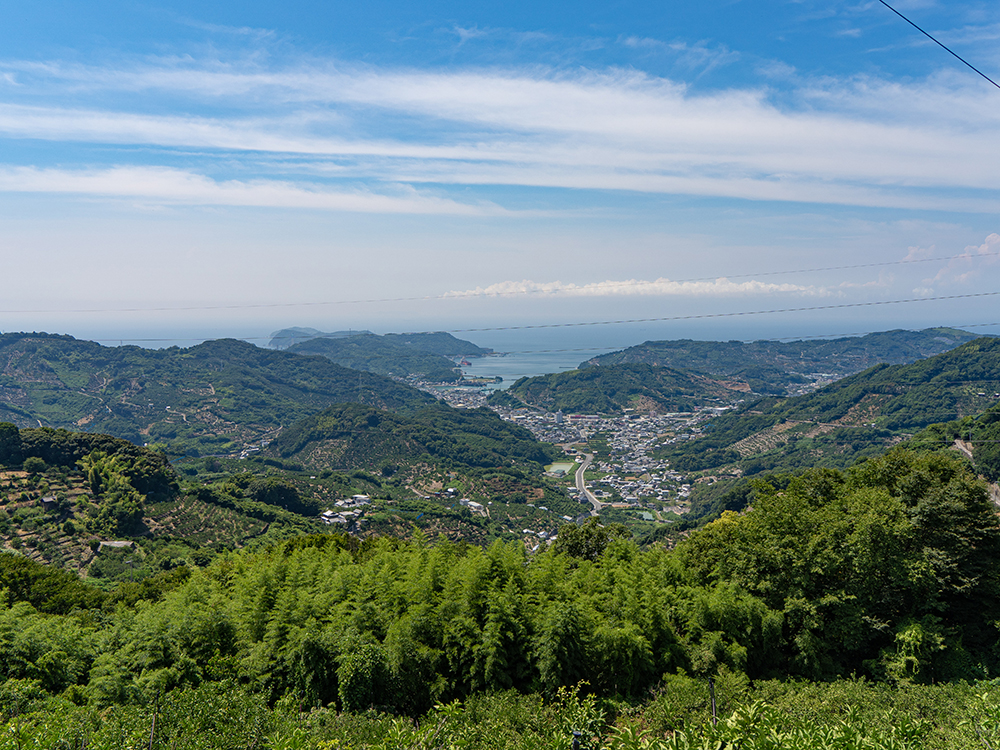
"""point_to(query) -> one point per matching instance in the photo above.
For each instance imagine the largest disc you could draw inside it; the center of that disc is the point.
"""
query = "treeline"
(147, 471)
(207, 399)
(889, 570)
(382, 355)
(768, 367)
(612, 388)
(868, 409)
(354, 435)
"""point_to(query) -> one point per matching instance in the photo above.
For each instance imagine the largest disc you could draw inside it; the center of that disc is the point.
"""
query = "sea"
(528, 352)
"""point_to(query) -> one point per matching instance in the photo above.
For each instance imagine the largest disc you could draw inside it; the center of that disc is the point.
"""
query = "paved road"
(581, 485)
(964, 447)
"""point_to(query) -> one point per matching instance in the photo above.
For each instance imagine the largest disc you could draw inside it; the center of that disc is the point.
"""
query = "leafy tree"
(10, 444)
(34, 465)
(363, 677)
(588, 541)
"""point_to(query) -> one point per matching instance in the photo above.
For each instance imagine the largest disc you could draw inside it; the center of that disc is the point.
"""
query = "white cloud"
(173, 186)
(635, 287)
(966, 266)
(859, 142)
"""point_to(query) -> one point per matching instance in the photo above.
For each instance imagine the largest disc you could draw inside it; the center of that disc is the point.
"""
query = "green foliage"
(610, 389)
(892, 559)
(210, 398)
(769, 367)
(351, 435)
(47, 589)
(889, 570)
(10, 444)
(382, 355)
(34, 465)
(856, 417)
(363, 677)
(588, 541)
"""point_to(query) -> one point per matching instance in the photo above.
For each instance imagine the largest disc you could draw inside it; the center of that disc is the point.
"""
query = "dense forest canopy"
(382, 355)
(857, 416)
(352, 435)
(890, 570)
(612, 389)
(216, 397)
(770, 367)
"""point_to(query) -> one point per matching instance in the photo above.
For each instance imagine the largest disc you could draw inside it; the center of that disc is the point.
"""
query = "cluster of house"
(349, 513)
(645, 489)
(252, 449)
(472, 505)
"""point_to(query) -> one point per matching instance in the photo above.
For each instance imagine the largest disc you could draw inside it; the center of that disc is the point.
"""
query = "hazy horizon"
(225, 169)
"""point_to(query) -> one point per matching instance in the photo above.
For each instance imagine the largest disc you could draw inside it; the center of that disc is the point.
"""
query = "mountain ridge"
(216, 397)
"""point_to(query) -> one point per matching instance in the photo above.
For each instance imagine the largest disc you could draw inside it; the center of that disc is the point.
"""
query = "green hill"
(856, 416)
(62, 493)
(381, 355)
(771, 367)
(355, 436)
(286, 337)
(611, 389)
(840, 596)
(217, 397)
(437, 342)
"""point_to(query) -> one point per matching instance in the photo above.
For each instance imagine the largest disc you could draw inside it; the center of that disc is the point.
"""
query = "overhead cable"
(484, 293)
(939, 44)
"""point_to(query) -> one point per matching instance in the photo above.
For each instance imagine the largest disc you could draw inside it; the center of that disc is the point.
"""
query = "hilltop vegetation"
(100, 488)
(234, 611)
(857, 416)
(440, 343)
(770, 367)
(64, 493)
(217, 397)
(382, 355)
(428, 451)
(889, 570)
(356, 436)
(613, 388)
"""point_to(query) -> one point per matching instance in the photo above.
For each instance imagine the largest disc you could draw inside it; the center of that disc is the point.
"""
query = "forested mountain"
(770, 367)
(62, 493)
(216, 397)
(286, 337)
(859, 415)
(888, 571)
(356, 436)
(439, 342)
(430, 450)
(613, 388)
(382, 355)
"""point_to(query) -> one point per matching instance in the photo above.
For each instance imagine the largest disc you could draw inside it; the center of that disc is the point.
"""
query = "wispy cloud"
(635, 287)
(173, 186)
(963, 268)
(698, 55)
(859, 142)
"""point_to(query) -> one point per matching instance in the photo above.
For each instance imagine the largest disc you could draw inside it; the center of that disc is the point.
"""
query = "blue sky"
(172, 170)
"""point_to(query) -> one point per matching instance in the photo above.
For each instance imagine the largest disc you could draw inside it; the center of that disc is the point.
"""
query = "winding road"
(581, 485)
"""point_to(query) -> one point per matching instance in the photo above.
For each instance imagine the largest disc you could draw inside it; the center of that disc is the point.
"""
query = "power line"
(728, 314)
(482, 294)
(963, 326)
(942, 46)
